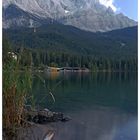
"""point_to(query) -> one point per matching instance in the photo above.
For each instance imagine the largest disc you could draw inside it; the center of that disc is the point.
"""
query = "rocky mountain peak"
(89, 15)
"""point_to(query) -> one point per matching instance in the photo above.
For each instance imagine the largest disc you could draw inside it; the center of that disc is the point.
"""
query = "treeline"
(61, 46)
(43, 58)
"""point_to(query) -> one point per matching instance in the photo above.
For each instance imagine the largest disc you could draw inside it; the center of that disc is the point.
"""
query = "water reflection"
(106, 89)
(100, 124)
(36, 132)
(103, 106)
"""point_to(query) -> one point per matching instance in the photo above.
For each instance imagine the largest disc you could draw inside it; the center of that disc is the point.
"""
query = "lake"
(103, 106)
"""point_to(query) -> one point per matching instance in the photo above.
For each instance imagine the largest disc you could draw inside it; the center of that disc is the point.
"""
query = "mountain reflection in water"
(103, 106)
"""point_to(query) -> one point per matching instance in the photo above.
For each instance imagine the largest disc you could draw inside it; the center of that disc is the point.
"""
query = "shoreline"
(38, 125)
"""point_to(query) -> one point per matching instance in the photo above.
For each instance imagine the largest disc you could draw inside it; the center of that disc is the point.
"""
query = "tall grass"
(16, 91)
(16, 87)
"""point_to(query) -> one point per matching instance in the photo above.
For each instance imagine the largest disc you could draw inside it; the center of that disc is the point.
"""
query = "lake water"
(103, 106)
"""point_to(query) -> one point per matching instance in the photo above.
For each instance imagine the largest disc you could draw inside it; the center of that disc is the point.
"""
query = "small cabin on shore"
(67, 69)
(54, 69)
(75, 69)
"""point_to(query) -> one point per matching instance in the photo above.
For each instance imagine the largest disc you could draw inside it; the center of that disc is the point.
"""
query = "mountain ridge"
(87, 15)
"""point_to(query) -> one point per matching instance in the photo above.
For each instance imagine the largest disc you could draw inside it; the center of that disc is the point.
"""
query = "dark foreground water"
(103, 106)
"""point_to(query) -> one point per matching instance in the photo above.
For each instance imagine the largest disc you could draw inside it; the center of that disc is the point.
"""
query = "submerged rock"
(44, 116)
(65, 119)
(36, 132)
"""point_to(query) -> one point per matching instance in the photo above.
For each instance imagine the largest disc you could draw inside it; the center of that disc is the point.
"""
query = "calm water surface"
(103, 106)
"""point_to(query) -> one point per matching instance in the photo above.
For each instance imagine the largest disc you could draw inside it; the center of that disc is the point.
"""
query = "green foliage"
(16, 86)
(42, 59)
(67, 39)
(59, 45)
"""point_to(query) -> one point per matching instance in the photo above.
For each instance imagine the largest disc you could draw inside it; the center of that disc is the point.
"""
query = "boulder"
(44, 116)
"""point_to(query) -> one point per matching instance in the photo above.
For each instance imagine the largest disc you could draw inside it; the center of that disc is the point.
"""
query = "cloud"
(109, 3)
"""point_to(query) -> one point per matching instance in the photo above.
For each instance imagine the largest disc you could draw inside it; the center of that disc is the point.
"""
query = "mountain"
(60, 38)
(15, 17)
(88, 15)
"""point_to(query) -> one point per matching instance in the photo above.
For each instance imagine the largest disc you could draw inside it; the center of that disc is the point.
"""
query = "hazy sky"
(128, 7)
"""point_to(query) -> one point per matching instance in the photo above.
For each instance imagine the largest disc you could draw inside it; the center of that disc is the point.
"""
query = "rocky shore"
(39, 125)
(44, 116)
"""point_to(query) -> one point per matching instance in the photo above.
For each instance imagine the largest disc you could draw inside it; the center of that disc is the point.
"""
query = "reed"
(16, 86)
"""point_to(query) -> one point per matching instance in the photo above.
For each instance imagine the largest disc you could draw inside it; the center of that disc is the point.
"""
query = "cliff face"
(89, 15)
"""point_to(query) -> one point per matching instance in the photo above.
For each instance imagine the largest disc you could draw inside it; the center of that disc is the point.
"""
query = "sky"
(127, 7)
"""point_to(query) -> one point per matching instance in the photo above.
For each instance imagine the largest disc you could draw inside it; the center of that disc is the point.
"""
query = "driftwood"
(44, 116)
